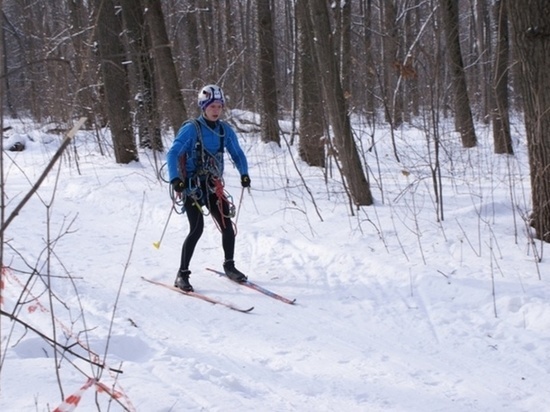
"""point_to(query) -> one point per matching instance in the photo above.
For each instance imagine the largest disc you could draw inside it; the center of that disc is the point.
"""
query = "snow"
(396, 310)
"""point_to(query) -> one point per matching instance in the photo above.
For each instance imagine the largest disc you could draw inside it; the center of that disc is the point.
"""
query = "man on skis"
(195, 167)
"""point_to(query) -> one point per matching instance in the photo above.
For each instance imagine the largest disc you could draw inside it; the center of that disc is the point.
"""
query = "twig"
(56, 345)
(115, 305)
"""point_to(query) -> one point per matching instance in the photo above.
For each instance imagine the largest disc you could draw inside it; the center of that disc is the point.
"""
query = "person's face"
(213, 111)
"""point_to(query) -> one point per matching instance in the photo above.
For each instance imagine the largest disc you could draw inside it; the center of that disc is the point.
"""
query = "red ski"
(199, 296)
(256, 287)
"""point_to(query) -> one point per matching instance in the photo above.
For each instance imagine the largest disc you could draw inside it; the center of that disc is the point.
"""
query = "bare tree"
(501, 114)
(193, 49)
(115, 81)
(5, 86)
(268, 87)
(147, 116)
(464, 123)
(165, 67)
(336, 105)
(481, 26)
(367, 45)
(310, 112)
(86, 99)
(530, 20)
(393, 99)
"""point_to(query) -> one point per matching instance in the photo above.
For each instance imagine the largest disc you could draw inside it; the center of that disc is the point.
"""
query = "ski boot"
(182, 281)
(232, 272)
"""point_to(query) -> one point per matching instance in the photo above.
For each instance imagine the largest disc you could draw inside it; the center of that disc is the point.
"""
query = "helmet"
(210, 94)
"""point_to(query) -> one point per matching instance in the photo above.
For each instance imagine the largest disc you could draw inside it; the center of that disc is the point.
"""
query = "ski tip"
(247, 310)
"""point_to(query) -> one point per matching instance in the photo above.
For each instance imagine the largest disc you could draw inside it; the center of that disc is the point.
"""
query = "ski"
(256, 287)
(199, 296)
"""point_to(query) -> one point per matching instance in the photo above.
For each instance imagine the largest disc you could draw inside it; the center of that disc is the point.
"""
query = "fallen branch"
(49, 167)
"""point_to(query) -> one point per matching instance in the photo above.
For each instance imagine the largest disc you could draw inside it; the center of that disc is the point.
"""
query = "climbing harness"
(207, 179)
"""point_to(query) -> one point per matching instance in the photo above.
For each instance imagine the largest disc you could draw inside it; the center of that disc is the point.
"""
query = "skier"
(195, 168)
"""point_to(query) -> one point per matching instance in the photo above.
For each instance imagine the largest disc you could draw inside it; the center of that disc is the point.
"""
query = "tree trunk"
(268, 87)
(311, 112)
(530, 21)
(115, 81)
(205, 28)
(6, 95)
(482, 25)
(335, 102)
(464, 123)
(392, 97)
(501, 114)
(345, 47)
(147, 116)
(87, 103)
(192, 17)
(165, 67)
(370, 105)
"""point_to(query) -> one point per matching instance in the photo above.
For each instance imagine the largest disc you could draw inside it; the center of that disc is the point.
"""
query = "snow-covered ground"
(396, 309)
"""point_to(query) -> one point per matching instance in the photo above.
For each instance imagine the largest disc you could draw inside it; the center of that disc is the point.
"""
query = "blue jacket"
(185, 143)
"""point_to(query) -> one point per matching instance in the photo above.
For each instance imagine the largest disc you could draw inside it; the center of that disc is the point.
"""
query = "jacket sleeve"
(181, 149)
(235, 151)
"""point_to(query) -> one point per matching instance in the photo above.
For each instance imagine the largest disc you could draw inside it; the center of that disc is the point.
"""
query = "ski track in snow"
(373, 329)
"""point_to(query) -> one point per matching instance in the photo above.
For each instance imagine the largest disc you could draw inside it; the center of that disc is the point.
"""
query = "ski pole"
(239, 207)
(157, 244)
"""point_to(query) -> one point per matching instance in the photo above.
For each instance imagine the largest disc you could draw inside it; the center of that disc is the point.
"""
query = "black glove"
(178, 185)
(245, 181)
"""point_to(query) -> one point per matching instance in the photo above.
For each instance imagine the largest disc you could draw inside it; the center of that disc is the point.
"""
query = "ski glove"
(178, 185)
(245, 181)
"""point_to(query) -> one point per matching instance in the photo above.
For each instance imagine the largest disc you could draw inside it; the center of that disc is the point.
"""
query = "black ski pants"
(195, 217)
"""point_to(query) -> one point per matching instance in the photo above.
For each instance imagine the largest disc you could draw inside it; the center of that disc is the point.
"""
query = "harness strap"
(203, 167)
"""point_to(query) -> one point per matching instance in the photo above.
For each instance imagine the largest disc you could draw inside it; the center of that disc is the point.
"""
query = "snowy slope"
(396, 311)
